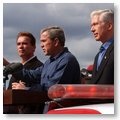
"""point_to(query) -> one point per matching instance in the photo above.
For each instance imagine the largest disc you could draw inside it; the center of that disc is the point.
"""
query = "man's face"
(24, 47)
(99, 28)
(47, 45)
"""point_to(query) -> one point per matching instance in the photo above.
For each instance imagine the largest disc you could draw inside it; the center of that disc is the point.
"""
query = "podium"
(20, 97)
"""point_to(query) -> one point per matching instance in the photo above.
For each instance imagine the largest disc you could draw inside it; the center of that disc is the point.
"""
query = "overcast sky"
(74, 18)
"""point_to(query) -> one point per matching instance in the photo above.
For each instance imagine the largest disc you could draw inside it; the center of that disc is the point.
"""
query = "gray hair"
(107, 14)
(55, 32)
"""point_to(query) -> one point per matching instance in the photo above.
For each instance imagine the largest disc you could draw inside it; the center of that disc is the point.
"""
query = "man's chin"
(97, 39)
(45, 54)
(22, 55)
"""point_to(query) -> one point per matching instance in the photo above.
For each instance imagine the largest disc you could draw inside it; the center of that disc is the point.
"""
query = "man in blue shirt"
(102, 26)
(61, 68)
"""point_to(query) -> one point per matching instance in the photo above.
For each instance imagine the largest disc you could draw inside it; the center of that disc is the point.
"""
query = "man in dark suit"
(102, 26)
(26, 45)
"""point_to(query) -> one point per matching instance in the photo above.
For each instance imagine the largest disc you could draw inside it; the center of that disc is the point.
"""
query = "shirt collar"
(108, 43)
(28, 60)
(59, 54)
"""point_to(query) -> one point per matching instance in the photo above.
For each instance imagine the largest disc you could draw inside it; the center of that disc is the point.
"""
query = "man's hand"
(5, 62)
(20, 85)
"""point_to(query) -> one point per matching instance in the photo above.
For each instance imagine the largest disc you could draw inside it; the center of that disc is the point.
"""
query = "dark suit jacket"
(105, 73)
(30, 65)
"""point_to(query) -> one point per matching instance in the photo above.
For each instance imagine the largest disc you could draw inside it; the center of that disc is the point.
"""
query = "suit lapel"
(29, 63)
(95, 65)
(103, 63)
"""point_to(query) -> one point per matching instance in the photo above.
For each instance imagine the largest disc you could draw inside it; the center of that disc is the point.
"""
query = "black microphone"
(84, 72)
(12, 68)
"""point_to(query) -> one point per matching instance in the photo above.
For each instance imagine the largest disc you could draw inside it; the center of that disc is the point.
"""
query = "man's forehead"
(44, 34)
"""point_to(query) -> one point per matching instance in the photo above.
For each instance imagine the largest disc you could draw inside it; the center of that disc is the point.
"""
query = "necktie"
(100, 57)
(101, 49)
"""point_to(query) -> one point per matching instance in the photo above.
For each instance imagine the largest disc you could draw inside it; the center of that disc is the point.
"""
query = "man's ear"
(56, 40)
(34, 47)
(110, 26)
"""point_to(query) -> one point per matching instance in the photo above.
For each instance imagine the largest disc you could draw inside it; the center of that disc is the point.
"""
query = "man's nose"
(20, 45)
(41, 45)
(92, 29)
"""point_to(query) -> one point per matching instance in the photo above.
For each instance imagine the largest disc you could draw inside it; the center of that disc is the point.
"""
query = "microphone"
(12, 68)
(84, 72)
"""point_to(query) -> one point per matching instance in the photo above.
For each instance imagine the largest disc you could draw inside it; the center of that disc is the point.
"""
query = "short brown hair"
(27, 34)
(55, 32)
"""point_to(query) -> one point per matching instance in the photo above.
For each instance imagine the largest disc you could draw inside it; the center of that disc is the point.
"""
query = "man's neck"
(106, 40)
(59, 50)
(108, 37)
(26, 59)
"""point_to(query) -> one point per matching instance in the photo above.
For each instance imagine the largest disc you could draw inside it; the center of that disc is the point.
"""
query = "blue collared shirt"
(61, 69)
(101, 54)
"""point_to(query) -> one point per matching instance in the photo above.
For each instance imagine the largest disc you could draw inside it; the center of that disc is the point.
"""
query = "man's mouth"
(95, 34)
